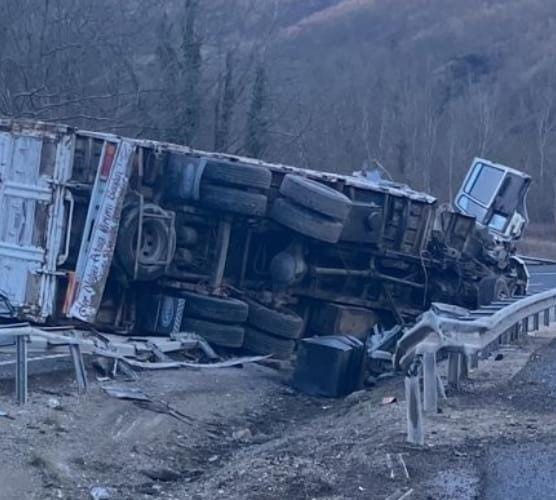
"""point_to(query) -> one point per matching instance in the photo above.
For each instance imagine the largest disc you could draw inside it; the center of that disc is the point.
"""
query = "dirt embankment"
(242, 434)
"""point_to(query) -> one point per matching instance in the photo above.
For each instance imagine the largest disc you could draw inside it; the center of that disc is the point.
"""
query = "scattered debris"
(370, 381)
(400, 494)
(388, 400)
(54, 404)
(404, 467)
(499, 357)
(100, 493)
(390, 465)
(242, 435)
(356, 397)
(162, 474)
(3, 414)
(131, 393)
(165, 409)
(51, 392)
(53, 469)
(194, 341)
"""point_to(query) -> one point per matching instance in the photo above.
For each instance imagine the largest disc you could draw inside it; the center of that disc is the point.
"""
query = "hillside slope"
(422, 86)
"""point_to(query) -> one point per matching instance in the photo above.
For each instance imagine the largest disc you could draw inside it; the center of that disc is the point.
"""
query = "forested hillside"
(419, 86)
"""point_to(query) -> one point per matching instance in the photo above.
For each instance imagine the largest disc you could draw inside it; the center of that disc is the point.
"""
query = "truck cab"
(496, 196)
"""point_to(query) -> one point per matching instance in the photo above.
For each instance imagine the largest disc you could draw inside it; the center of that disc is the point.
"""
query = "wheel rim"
(152, 244)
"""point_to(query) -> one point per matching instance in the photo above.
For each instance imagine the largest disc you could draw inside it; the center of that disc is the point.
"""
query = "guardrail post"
(547, 317)
(464, 373)
(21, 369)
(430, 389)
(454, 370)
(79, 366)
(415, 428)
(524, 327)
(515, 332)
(536, 322)
(440, 387)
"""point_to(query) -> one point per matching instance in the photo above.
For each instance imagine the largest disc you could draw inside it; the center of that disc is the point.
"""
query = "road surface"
(543, 277)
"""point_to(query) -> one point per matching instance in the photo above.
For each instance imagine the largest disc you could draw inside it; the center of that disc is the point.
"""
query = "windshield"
(483, 183)
(471, 208)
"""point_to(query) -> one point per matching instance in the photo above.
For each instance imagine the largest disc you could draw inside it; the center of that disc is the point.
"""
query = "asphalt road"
(527, 469)
(543, 277)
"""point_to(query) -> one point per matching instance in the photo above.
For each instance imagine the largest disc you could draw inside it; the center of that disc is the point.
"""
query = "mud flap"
(159, 314)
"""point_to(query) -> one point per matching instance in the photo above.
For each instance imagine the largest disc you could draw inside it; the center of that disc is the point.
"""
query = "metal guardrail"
(463, 335)
(20, 334)
(536, 261)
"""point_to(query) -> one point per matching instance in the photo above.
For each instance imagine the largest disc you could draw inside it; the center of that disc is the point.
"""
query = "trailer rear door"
(35, 208)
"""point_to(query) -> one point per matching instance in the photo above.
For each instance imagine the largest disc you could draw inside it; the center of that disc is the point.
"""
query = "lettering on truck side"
(90, 286)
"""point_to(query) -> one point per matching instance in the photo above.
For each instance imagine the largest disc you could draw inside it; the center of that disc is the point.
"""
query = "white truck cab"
(496, 196)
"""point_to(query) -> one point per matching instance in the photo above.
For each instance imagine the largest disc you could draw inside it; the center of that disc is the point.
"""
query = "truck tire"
(224, 309)
(158, 242)
(492, 289)
(282, 323)
(237, 174)
(316, 196)
(187, 236)
(264, 343)
(219, 334)
(233, 200)
(305, 221)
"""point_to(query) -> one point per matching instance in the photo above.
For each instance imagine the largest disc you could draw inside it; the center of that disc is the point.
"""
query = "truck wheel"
(492, 289)
(187, 236)
(224, 309)
(215, 333)
(233, 200)
(282, 323)
(304, 221)
(264, 343)
(158, 243)
(316, 196)
(237, 174)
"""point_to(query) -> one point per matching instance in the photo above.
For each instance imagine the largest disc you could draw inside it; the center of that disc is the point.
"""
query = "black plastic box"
(329, 366)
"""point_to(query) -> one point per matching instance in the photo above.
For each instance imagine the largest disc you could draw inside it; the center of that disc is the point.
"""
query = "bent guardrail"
(463, 334)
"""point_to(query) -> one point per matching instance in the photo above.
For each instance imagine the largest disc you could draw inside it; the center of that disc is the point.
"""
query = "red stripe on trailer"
(108, 160)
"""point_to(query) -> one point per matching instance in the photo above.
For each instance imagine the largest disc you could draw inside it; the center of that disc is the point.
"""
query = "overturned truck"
(138, 236)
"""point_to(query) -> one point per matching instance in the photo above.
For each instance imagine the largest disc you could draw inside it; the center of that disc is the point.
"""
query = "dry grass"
(539, 241)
